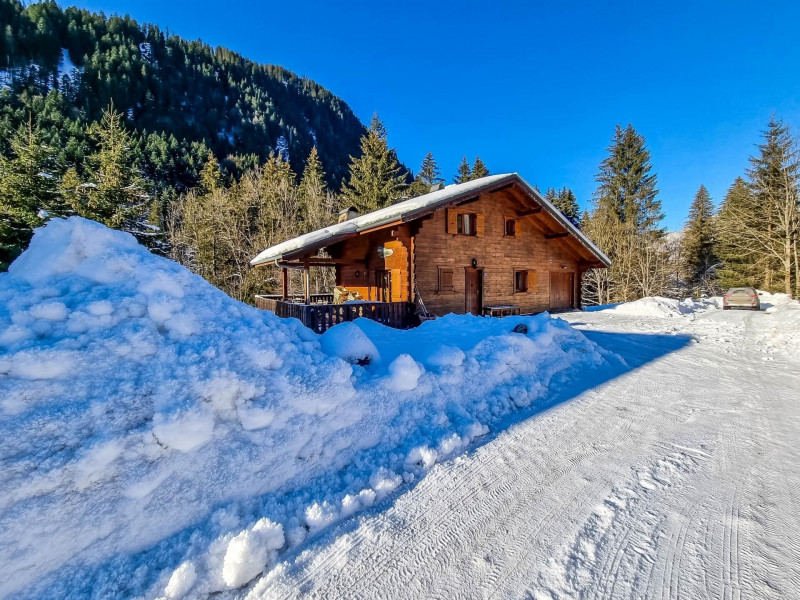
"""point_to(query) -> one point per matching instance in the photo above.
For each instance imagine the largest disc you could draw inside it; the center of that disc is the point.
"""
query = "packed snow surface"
(159, 439)
(673, 475)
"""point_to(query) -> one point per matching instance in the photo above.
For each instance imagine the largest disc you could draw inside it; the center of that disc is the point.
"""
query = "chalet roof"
(411, 209)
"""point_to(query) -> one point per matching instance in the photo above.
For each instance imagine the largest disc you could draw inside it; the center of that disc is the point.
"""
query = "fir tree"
(464, 172)
(211, 175)
(479, 169)
(114, 191)
(428, 176)
(626, 187)
(28, 191)
(624, 224)
(699, 242)
(316, 206)
(567, 203)
(429, 172)
(376, 178)
(774, 176)
(738, 211)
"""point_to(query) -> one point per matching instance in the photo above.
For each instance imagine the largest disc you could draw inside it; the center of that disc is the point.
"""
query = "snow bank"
(782, 329)
(658, 306)
(161, 439)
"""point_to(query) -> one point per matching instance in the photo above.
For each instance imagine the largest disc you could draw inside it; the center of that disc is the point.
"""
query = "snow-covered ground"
(158, 437)
(677, 477)
(161, 440)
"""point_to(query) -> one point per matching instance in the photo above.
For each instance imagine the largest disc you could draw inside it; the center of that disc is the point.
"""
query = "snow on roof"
(412, 208)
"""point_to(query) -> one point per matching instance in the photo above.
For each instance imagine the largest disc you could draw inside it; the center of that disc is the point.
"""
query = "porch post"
(307, 284)
(285, 283)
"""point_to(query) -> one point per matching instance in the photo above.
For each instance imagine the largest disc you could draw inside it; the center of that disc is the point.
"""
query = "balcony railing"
(321, 317)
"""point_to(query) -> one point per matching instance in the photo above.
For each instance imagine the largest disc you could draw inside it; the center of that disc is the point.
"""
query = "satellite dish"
(384, 252)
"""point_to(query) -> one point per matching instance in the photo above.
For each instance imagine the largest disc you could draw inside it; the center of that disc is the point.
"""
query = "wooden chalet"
(490, 246)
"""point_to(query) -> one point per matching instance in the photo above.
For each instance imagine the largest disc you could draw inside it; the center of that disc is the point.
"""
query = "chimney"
(347, 213)
(437, 186)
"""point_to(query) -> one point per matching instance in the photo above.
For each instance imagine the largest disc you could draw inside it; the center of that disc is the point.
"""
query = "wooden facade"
(458, 272)
(500, 245)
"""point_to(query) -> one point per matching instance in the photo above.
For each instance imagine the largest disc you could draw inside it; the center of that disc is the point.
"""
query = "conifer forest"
(208, 157)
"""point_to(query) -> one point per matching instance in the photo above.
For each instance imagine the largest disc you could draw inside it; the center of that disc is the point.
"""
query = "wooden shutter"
(445, 280)
(517, 227)
(452, 221)
(396, 286)
(532, 280)
(479, 225)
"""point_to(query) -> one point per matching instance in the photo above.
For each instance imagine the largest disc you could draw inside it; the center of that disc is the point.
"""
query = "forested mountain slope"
(62, 67)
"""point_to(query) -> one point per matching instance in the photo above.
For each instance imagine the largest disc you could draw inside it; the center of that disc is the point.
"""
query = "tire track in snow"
(484, 525)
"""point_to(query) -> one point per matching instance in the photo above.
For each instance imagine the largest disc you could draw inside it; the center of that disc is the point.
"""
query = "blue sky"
(532, 87)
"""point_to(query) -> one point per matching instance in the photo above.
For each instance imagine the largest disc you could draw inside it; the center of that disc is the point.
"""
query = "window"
(520, 282)
(467, 223)
(510, 227)
(446, 280)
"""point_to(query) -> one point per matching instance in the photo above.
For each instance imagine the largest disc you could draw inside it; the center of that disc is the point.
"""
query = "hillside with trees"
(61, 70)
(183, 97)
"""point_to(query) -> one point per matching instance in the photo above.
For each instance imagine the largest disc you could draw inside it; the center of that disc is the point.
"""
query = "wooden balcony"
(319, 317)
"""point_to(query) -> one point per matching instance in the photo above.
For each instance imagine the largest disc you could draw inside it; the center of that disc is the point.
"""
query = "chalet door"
(561, 287)
(474, 291)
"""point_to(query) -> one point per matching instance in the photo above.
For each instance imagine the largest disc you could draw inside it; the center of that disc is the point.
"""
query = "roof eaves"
(566, 223)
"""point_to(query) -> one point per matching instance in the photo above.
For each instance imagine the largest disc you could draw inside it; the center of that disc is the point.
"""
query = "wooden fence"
(321, 317)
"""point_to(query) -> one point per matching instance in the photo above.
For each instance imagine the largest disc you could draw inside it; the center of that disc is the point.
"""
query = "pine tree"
(738, 211)
(699, 242)
(626, 186)
(567, 203)
(464, 172)
(376, 178)
(479, 169)
(428, 176)
(429, 172)
(316, 206)
(28, 191)
(624, 224)
(114, 192)
(774, 175)
(211, 175)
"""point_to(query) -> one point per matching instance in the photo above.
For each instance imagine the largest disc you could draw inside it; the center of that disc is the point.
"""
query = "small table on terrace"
(500, 310)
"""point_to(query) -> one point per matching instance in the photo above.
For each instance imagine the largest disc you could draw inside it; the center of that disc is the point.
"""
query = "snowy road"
(678, 478)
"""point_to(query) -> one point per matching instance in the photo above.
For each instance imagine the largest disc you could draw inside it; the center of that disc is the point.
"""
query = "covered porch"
(320, 314)
(372, 280)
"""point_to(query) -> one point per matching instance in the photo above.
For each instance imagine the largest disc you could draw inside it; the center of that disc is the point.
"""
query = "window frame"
(526, 280)
(471, 220)
(515, 224)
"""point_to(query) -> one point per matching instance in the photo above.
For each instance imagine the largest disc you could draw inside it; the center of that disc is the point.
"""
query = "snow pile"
(161, 439)
(659, 307)
(782, 328)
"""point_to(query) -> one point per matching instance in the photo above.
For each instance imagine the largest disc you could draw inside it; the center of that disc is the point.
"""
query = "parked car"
(744, 297)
